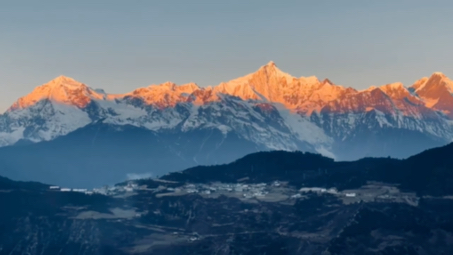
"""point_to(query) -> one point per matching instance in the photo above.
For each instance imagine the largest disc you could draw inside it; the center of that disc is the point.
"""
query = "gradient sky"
(122, 45)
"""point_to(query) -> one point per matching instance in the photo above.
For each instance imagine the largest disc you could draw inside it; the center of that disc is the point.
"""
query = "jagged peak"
(438, 74)
(63, 90)
(436, 79)
(272, 69)
(55, 85)
(166, 94)
(310, 80)
(190, 85)
(271, 63)
(64, 81)
(371, 88)
(393, 86)
(244, 83)
(62, 78)
(419, 83)
(168, 85)
(397, 86)
(395, 90)
(327, 81)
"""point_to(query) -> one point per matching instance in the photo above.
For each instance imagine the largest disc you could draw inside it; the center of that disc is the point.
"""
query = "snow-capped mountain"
(269, 108)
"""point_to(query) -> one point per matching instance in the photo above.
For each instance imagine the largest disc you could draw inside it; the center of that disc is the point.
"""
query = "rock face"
(268, 108)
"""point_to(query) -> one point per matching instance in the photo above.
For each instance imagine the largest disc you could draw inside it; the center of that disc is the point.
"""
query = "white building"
(238, 189)
(317, 190)
(332, 191)
(258, 194)
(100, 191)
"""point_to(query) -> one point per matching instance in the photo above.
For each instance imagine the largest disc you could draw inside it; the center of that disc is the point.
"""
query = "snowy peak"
(188, 88)
(172, 87)
(359, 102)
(419, 83)
(396, 86)
(327, 81)
(320, 96)
(164, 95)
(65, 81)
(393, 99)
(271, 63)
(436, 92)
(438, 74)
(395, 90)
(435, 81)
(271, 84)
(271, 69)
(63, 90)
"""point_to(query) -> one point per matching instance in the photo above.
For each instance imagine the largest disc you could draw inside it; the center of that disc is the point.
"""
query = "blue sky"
(122, 45)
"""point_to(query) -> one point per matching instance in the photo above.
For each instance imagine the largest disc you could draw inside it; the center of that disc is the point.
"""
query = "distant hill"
(102, 154)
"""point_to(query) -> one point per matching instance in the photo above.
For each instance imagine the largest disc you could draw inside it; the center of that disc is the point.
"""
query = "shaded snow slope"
(269, 108)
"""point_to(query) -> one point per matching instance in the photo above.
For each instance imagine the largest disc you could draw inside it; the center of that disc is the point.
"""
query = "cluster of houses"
(332, 191)
(130, 187)
(247, 190)
(58, 188)
(250, 190)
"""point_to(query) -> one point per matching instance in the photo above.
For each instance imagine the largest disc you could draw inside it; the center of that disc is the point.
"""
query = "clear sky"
(121, 45)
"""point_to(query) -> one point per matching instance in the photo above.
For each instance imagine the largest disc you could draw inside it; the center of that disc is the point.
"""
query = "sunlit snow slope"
(268, 108)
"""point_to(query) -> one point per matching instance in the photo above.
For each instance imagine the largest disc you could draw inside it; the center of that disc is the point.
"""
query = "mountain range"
(65, 123)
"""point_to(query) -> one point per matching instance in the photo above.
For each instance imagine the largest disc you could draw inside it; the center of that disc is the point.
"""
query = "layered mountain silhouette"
(265, 110)
(368, 206)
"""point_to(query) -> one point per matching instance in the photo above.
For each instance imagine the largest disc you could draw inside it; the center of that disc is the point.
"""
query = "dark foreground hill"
(428, 173)
(265, 203)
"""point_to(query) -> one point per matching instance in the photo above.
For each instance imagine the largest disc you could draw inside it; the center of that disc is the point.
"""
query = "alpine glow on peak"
(269, 107)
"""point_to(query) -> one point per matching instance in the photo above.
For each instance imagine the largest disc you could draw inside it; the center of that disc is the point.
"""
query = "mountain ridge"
(268, 107)
(249, 87)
